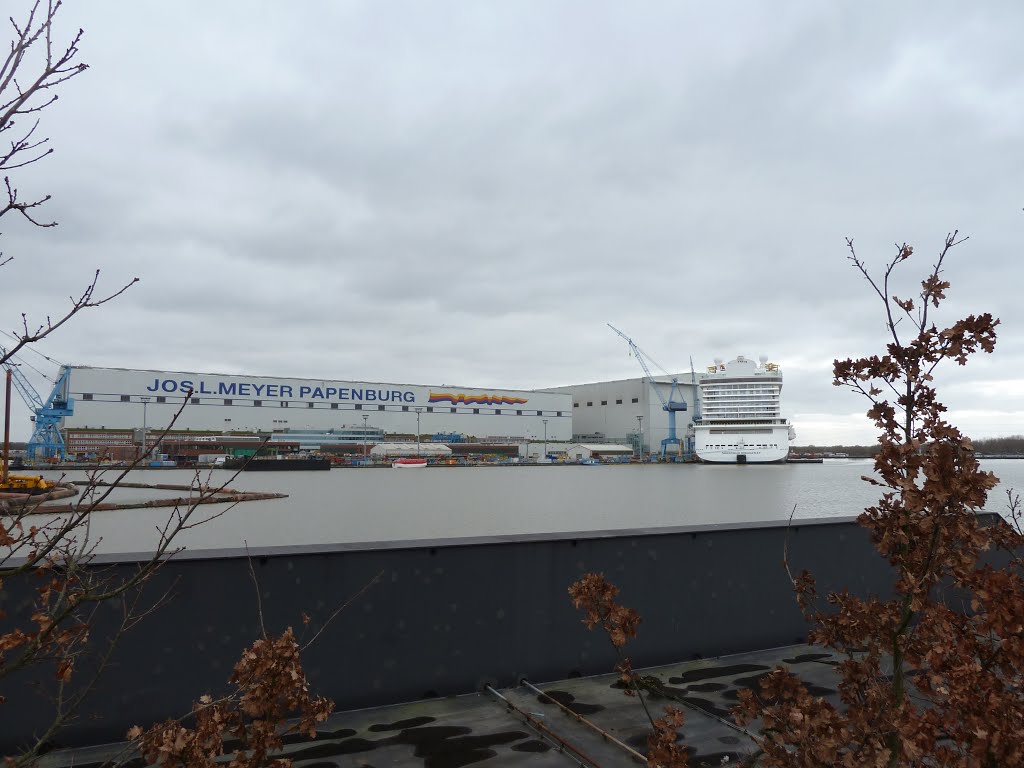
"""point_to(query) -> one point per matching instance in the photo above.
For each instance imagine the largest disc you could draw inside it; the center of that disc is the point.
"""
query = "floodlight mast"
(671, 406)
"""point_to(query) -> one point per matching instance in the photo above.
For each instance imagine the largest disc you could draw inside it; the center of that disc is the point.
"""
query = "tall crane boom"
(670, 405)
(46, 414)
(696, 392)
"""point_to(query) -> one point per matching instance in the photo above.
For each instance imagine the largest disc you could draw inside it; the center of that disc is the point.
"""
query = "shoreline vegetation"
(990, 447)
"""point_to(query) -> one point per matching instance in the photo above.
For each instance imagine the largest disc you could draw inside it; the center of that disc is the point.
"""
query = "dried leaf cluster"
(934, 675)
(47, 565)
(663, 747)
(595, 596)
(270, 689)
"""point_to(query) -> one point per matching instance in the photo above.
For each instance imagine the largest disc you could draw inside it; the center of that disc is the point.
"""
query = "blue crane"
(671, 406)
(46, 441)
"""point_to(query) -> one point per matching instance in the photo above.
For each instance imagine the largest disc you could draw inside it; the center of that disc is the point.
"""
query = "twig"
(342, 607)
(785, 548)
(259, 600)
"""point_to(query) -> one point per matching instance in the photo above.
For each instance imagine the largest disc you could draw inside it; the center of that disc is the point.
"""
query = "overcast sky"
(465, 193)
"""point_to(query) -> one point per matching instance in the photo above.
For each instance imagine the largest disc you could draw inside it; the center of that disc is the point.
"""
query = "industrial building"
(114, 406)
(627, 411)
(632, 411)
(106, 411)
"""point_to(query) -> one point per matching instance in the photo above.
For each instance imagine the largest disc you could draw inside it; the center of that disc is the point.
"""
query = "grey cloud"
(469, 192)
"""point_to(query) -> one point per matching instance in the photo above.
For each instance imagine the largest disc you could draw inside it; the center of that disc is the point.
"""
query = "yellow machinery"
(16, 483)
(24, 484)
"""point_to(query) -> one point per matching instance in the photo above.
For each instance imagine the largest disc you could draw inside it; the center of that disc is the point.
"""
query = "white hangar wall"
(609, 409)
(113, 398)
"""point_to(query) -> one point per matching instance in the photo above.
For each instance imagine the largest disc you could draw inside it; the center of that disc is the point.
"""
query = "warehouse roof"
(604, 447)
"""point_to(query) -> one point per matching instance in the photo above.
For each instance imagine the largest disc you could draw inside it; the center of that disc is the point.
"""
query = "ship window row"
(741, 385)
(731, 403)
(732, 390)
(725, 407)
(742, 399)
(729, 417)
(741, 403)
(725, 412)
(743, 393)
(740, 391)
(745, 445)
(735, 392)
(720, 410)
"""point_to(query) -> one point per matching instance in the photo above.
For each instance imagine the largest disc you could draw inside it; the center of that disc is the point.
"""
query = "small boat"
(410, 463)
(805, 458)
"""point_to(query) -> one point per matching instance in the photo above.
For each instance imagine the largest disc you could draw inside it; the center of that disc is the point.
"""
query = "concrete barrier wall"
(443, 619)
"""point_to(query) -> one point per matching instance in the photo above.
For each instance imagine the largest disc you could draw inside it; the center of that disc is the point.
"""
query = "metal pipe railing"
(580, 718)
(582, 757)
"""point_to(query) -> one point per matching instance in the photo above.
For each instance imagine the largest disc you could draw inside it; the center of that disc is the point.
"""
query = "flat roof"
(314, 378)
(547, 724)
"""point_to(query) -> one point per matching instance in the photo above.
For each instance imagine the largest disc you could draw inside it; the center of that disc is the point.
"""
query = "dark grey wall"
(444, 619)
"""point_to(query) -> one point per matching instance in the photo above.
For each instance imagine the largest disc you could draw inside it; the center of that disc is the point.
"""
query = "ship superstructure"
(741, 418)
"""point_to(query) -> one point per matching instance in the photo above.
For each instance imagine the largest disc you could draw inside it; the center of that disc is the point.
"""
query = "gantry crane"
(671, 406)
(46, 441)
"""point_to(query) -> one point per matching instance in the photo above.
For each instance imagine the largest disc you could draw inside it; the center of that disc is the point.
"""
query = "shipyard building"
(630, 411)
(112, 407)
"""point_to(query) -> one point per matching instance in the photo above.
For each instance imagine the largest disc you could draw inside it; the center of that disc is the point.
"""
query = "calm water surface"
(384, 505)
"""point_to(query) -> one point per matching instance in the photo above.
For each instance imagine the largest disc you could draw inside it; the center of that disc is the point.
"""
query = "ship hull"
(758, 444)
(740, 419)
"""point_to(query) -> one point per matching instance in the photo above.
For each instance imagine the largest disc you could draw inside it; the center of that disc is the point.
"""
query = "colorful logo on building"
(463, 399)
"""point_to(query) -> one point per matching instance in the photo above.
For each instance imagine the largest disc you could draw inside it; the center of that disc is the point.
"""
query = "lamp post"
(545, 438)
(418, 412)
(640, 446)
(7, 430)
(365, 417)
(145, 402)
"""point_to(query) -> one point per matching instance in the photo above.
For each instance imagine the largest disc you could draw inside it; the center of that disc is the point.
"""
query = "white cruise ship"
(740, 419)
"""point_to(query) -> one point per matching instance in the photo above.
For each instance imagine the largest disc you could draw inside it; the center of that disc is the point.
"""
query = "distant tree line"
(1011, 445)
(853, 451)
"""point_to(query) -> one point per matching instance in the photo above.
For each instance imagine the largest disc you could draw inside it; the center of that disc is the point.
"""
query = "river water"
(359, 506)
